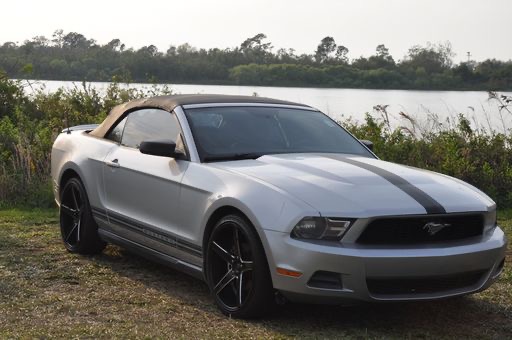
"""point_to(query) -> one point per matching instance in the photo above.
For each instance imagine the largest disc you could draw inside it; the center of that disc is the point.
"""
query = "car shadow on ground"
(455, 317)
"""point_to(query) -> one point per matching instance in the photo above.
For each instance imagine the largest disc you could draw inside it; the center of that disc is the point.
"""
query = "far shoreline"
(231, 84)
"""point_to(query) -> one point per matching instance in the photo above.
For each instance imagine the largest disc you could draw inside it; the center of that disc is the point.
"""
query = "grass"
(46, 292)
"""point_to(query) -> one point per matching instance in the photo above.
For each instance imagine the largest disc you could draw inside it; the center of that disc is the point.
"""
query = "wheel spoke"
(68, 211)
(73, 193)
(239, 281)
(236, 242)
(79, 224)
(226, 279)
(222, 252)
(75, 226)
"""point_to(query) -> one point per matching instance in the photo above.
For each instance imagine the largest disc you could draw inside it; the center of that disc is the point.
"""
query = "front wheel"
(78, 229)
(237, 270)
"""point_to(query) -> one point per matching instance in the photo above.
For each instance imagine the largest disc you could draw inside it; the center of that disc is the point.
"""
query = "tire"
(237, 270)
(78, 229)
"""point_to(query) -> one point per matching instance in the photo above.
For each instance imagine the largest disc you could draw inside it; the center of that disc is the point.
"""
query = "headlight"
(321, 228)
(490, 221)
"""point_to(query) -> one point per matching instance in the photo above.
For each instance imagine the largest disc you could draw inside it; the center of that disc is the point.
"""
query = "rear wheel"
(78, 229)
(237, 269)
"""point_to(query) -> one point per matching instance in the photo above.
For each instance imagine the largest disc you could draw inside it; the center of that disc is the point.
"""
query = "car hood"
(353, 186)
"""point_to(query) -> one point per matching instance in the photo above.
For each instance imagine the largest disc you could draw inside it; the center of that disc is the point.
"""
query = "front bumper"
(359, 267)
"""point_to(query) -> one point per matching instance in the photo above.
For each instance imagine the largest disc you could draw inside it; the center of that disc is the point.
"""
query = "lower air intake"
(326, 280)
(424, 285)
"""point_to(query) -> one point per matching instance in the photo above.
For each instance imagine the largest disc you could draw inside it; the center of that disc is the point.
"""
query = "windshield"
(228, 133)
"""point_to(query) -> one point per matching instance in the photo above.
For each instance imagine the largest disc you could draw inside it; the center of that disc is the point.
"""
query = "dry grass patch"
(48, 292)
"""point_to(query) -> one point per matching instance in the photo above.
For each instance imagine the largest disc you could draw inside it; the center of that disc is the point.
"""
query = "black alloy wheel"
(237, 269)
(78, 229)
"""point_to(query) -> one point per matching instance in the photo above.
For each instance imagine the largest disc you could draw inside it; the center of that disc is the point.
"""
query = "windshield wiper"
(233, 157)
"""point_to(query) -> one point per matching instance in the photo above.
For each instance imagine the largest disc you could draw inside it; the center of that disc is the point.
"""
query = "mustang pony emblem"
(433, 228)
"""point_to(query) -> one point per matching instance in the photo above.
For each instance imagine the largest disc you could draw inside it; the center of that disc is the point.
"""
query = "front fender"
(272, 214)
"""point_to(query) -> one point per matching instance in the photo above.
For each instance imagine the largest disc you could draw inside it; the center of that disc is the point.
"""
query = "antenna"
(67, 122)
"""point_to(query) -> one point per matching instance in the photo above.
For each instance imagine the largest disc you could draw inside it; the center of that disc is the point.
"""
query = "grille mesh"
(415, 230)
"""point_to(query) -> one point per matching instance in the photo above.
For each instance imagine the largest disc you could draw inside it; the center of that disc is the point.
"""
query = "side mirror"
(367, 143)
(163, 148)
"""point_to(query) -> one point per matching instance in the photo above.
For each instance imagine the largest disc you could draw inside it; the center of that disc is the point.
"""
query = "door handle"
(113, 164)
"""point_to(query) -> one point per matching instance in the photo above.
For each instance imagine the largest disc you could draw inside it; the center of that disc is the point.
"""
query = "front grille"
(422, 229)
(423, 285)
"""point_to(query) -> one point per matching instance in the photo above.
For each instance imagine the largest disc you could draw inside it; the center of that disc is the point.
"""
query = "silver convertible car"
(270, 200)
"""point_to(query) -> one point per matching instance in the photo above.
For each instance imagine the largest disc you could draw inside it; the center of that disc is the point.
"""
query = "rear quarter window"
(116, 134)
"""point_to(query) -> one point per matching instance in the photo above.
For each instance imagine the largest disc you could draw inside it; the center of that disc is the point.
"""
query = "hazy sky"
(483, 27)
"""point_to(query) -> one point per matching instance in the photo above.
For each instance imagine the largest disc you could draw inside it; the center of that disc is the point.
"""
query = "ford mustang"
(268, 200)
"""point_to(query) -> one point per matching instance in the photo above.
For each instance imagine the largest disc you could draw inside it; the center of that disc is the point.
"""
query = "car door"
(142, 191)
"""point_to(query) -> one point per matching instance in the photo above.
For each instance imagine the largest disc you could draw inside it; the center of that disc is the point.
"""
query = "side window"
(149, 124)
(117, 132)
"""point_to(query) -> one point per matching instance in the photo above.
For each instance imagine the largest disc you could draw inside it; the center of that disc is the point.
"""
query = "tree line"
(72, 56)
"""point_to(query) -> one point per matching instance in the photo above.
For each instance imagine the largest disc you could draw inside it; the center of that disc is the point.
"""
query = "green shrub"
(29, 125)
(482, 159)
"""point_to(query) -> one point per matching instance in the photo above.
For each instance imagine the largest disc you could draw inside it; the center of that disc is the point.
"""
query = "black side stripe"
(430, 204)
(179, 240)
(152, 233)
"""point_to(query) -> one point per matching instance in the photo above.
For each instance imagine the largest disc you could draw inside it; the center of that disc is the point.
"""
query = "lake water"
(340, 104)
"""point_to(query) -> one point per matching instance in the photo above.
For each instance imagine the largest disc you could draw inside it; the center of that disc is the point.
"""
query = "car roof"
(170, 102)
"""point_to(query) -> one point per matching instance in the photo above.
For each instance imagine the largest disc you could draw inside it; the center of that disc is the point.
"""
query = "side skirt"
(152, 254)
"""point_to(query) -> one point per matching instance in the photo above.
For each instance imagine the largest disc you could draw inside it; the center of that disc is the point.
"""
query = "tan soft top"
(168, 103)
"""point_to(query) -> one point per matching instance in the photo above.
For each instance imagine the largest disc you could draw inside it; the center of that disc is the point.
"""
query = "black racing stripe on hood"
(430, 204)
